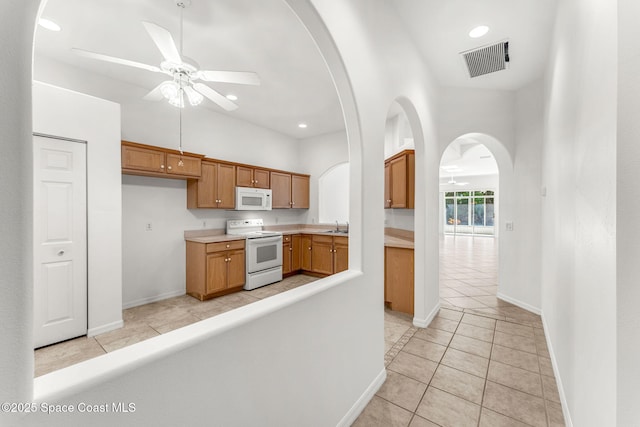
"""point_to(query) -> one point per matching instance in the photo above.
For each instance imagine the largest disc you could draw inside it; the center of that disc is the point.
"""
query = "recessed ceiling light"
(232, 97)
(48, 24)
(478, 31)
(302, 125)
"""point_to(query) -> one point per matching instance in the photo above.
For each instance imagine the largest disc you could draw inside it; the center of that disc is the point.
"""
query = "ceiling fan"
(454, 182)
(184, 73)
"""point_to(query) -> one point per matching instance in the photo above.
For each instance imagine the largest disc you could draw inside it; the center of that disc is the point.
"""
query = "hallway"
(481, 361)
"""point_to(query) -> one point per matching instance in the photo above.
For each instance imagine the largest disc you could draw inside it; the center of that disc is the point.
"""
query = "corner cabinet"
(399, 180)
(215, 188)
(146, 160)
(289, 191)
(215, 269)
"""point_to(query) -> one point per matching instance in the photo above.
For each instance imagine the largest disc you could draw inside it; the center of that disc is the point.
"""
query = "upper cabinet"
(290, 191)
(211, 183)
(399, 180)
(247, 176)
(215, 189)
(140, 159)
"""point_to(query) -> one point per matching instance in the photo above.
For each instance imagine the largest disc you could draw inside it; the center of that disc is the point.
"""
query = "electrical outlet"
(148, 227)
(509, 225)
(276, 220)
(204, 224)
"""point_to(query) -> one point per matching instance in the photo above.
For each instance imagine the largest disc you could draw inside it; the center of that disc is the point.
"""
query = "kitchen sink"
(336, 231)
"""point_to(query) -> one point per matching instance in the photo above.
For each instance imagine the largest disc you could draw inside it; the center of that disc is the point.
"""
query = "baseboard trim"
(423, 323)
(362, 402)
(519, 303)
(105, 328)
(154, 298)
(556, 373)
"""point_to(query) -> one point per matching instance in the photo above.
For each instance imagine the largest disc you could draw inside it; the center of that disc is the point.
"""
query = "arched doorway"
(17, 308)
(470, 176)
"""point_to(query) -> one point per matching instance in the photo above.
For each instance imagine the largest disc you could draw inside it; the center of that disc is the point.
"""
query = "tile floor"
(481, 361)
(147, 321)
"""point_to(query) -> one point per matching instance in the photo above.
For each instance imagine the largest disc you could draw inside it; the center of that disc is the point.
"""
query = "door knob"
(60, 252)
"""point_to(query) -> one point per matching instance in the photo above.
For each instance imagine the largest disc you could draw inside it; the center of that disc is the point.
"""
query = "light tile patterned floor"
(481, 362)
(149, 320)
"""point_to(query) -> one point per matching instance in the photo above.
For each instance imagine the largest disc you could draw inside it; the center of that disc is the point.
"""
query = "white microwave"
(253, 199)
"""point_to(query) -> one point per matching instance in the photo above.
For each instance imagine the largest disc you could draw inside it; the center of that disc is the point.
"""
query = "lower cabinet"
(215, 269)
(319, 255)
(398, 279)
(290, 253)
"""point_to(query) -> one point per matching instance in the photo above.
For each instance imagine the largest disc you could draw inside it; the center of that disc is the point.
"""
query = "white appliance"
(263, 252)
(253, 199)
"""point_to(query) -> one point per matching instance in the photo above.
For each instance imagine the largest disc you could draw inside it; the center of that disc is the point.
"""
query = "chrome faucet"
(347, 227)
(337, 228)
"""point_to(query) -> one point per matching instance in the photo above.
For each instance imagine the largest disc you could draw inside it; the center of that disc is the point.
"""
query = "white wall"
(628, 206)
(342, 366)
(316, 156)
(579, 210)
(333, 194)
(68, 114)
(509, 124)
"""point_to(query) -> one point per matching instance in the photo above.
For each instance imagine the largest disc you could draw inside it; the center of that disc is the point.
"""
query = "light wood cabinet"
(300, 191)
(340, 254)
(140, 159)
(398, 279)
(323, 255)
(215, 269)
(399, 180)
(280, 190)
(214, 189)
(289, 191)
(290, 253)
(247, 176)
(305, 252)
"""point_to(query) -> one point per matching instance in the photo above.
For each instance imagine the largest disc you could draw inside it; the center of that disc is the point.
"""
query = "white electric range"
(263, 251)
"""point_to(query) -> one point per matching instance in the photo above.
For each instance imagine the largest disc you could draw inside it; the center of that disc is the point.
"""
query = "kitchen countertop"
(393, 238)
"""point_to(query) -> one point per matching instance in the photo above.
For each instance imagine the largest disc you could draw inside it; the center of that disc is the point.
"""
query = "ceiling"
(266, 37)
(440, 29)
(467, 157)
(242, 35)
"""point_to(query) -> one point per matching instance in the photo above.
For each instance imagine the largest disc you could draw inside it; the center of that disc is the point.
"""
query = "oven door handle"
(266, 240)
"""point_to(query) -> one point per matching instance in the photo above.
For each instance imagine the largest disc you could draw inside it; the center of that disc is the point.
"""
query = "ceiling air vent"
(487, 59)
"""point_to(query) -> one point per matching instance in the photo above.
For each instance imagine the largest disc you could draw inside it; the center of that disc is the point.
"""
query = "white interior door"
(60, 240)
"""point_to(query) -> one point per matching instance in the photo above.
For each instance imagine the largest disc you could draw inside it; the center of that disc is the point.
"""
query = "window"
(469, 212)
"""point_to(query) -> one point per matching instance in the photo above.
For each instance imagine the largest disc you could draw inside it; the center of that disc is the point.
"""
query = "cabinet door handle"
(161, 166)
(228, 246)
(169, 167)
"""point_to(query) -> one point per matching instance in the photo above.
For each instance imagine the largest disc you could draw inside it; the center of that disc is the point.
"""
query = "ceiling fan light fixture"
(195, 98)
(232, 97)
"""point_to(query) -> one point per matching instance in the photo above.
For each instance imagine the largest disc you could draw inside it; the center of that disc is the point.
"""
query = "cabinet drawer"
(341, 240)
(322, 239)
(225, 246)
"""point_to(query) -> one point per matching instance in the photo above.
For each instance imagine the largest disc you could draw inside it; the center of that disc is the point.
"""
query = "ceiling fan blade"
(155, 94)
(163, 39)
(215, 96)
(107, 58)
(240, 77)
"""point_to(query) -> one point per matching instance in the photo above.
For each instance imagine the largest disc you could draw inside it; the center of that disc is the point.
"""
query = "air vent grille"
(487, 59)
